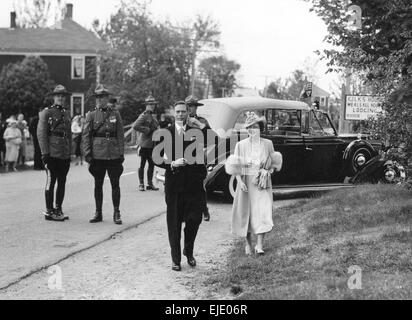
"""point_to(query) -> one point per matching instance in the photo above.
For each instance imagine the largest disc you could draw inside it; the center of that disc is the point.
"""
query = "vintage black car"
(315, 157)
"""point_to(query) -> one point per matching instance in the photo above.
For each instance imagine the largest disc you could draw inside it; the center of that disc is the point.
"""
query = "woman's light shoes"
(259, 252)
(248, 250)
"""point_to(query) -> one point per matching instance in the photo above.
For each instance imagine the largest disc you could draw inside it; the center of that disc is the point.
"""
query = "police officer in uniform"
(54, 135)
(192, 104)
(103, 148)
(146, 124)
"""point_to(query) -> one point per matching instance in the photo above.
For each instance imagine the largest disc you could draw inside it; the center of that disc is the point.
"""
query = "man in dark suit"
(180, 152)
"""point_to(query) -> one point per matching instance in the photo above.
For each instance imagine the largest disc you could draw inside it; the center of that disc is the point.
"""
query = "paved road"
(29, 243)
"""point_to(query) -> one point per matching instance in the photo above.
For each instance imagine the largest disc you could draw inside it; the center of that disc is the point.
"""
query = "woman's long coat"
(258, 202)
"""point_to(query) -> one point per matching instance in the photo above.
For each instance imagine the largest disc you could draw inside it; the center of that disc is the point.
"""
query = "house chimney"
(69, 11)
(13, 24)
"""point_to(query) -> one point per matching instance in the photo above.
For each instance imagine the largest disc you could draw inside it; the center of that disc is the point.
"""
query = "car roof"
(222, 113)
(246, 103)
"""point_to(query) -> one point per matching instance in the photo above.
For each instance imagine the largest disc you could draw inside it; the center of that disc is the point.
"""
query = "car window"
(305, 121)
(320, 125)
(284, 122)
(240, 122)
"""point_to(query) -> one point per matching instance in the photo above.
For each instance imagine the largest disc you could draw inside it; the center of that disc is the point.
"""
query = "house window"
(77, 104)
(78, 67)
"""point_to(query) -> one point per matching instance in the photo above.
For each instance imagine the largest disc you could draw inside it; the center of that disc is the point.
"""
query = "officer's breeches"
(98, 170)
(146, 156)
(56, 170)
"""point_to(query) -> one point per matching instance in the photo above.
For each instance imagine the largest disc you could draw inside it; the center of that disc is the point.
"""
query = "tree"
(146, 57)
(380, 52)
(289, 89)
(23, 86)
(221, 72)
(38, 13)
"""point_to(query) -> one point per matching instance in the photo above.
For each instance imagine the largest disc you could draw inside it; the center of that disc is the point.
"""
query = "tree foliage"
(23, 86)
(147, 57)
(38, 13)
(221, 73)
(380, 51)
(289, 89)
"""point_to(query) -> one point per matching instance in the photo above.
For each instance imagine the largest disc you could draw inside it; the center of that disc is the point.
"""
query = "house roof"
(71, 38)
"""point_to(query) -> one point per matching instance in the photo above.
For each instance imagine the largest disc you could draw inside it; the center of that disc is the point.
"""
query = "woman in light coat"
(13, 139)
(253, 162)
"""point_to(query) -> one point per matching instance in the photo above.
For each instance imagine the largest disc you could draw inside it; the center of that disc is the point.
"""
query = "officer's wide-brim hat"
(253, 119)
(150, 100)
(59, 90)
(191, 101)
(101, 91)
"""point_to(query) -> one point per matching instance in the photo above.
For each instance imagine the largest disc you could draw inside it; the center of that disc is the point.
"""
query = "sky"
(269, 38)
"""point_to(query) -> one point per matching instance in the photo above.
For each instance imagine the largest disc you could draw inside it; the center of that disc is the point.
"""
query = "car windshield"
(320, 124)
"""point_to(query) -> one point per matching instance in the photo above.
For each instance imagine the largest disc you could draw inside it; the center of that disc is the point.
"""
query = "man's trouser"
(98, 170)
(187, 208)
(56, 170)
(146, 156)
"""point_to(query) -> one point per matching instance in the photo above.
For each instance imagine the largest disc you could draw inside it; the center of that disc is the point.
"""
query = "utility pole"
(194, 53)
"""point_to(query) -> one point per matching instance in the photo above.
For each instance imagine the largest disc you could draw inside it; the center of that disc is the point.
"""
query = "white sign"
(362, 107)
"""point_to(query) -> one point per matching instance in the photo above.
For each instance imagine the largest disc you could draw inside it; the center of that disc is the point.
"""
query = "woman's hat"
(252, 118)
(101, 91)
(150, 100)
(192, 101)
(59, 90)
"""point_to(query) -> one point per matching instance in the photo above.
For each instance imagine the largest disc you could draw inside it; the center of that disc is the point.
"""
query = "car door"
(321, 158)
(284, 130)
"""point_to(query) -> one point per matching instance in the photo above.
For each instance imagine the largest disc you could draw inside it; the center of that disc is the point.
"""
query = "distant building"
(71, 53)
(318, 94)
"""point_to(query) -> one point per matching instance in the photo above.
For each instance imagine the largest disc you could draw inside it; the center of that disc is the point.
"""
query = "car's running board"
(286, 190)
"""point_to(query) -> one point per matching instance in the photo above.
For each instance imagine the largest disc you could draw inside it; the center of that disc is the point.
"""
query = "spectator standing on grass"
(3, 127)
(77, 130)
(253, 162)
(22, 125)
(38, 163)
(12, 136)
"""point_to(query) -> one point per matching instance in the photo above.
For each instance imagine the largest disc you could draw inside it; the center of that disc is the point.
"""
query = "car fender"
(375, 169)
(351, 151)
(212, 175)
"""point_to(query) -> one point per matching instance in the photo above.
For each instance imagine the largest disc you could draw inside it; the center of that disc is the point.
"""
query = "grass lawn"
(315, 241)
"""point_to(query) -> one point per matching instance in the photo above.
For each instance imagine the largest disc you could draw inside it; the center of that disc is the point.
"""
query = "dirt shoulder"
(136, 265)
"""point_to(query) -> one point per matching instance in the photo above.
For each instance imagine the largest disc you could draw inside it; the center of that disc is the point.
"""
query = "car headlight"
(390, 175)
(360, 160)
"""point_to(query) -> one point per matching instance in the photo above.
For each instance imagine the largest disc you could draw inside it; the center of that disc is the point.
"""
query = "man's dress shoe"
(176, 267)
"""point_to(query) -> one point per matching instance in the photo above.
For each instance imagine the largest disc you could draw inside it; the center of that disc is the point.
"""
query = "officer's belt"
(59, 134)
(105, 135)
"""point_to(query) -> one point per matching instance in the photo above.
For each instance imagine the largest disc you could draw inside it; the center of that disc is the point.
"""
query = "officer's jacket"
(146, 124)
(54, 132)
(103, 135)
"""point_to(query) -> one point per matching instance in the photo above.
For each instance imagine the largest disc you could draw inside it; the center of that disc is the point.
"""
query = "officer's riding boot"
(98, 217)
(116, 216)
(48, 214)
(152, 187)
(59, 212)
